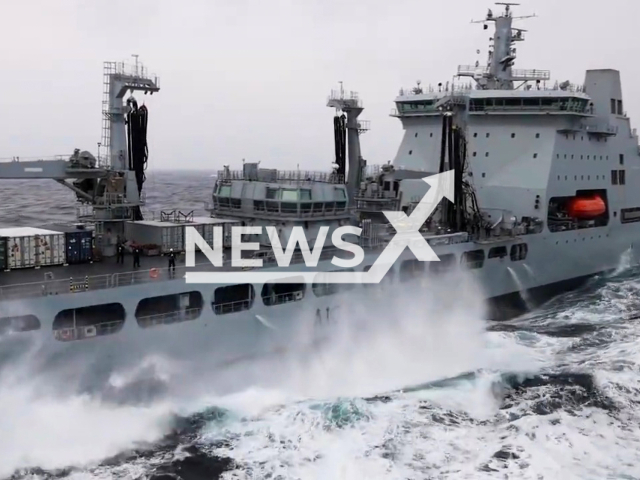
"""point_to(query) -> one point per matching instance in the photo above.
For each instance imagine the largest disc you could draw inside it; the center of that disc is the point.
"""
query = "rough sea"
(432, 391)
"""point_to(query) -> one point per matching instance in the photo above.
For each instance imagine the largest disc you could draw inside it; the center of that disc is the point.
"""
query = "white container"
(207, 228)
(33, 247)
(167, 235)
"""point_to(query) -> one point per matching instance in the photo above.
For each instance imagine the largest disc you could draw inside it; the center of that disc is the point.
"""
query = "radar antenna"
(498, 74)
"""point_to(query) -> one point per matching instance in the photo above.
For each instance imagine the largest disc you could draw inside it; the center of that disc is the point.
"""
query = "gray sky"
(249, 78)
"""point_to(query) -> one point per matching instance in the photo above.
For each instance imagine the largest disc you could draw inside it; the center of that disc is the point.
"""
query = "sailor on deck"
(172, 262)
(136, 256)
(120, 252)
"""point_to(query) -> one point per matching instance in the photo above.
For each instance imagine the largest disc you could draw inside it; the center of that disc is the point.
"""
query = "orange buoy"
(586, 207)
(153, 273)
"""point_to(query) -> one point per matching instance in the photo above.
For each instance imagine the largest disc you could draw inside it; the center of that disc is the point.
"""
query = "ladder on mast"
(105, 143)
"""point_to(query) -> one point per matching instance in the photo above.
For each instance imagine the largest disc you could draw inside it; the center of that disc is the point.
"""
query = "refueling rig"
(109, 188)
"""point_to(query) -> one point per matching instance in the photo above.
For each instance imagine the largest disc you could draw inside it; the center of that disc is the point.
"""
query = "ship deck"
(78, 272)
(106, 273)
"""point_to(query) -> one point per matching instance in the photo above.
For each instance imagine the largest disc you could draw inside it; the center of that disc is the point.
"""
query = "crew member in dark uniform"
(136, 256)
(172, 262)
(120, 253)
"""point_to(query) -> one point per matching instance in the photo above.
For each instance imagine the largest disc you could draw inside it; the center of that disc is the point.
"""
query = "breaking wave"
(407, 385)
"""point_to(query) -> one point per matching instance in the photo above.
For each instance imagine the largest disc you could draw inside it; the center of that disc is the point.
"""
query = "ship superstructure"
(544, 198)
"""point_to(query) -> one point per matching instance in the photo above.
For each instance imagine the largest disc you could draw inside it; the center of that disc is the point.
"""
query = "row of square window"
(583, 238)
(617, 177)
(595, 157)
(486, 154)
(513, 135)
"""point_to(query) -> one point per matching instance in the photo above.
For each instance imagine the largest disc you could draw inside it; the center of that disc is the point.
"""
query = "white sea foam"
(307, 417)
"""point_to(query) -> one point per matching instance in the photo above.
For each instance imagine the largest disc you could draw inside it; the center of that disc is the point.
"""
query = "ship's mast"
(110, 187)
(499, 74)
(351, 105)
(118, 80)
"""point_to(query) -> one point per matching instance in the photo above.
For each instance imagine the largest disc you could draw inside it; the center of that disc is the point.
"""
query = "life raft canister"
(586, 207)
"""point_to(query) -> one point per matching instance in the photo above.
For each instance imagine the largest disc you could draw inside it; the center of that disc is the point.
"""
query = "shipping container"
(78, 242)
(166, 235)
(3, 253)
(207, 228)
(33, 247)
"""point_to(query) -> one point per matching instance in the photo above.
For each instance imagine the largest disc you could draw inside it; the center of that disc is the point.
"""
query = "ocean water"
(425, 389)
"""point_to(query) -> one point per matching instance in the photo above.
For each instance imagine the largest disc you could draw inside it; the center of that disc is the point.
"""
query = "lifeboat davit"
(586, 207)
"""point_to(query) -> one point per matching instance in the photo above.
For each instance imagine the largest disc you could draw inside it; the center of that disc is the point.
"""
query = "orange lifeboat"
(586, 207)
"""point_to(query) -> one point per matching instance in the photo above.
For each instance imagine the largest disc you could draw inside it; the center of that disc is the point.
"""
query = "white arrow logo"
(407, 235)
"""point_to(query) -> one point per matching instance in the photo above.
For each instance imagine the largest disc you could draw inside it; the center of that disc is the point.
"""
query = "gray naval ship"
(541, 204)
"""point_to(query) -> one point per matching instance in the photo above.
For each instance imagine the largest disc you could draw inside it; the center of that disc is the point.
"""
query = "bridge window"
(535, 155)
(272, 193)
(473, 259)
(613, 106)
(620, 112)
(21, 323)
(168, 309)
(224, 191)
(279, 293)
(233, 298)
(446, 263)
(513, 135)
(621, 177)
(614, 177)
(289, 195)
(621, 159)
(410, 152)
(88, 322)
(519, 252)
(498, 252)
(537, 135)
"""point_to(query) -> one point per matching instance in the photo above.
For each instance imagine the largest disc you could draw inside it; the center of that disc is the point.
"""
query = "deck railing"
(282, 176)
(137, 277)
(153, 275)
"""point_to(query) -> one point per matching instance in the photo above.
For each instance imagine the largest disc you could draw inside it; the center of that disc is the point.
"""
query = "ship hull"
(553, 264)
